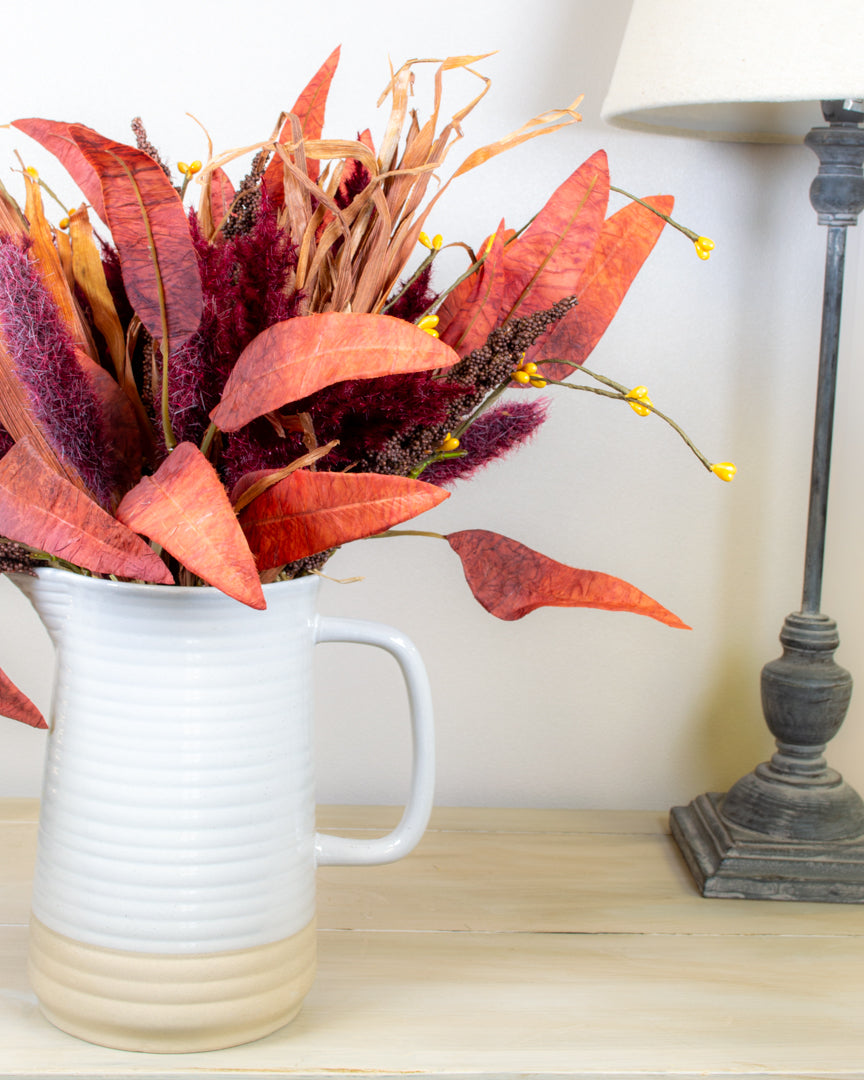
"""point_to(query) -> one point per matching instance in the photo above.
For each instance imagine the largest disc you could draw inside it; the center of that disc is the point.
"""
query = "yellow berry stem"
(439, 455)
(475, 265)
(620, 392)
(694, 236)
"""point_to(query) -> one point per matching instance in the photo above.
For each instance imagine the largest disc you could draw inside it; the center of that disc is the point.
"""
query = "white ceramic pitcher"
(174, 898)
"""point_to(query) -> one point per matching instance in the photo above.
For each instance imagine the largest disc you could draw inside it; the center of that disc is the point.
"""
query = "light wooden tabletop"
(511, 944)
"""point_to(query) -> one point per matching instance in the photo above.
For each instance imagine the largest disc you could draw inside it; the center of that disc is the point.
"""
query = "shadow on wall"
(770, 430)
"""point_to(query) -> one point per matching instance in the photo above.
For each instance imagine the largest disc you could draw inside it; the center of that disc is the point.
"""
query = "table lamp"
(759, 71)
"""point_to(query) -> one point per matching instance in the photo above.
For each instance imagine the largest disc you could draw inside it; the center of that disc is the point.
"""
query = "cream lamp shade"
(736, 70)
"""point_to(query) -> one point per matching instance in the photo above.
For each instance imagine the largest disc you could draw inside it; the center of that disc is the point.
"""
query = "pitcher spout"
(50, 592)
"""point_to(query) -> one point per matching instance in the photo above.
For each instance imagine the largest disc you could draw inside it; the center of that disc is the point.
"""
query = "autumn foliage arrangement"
(224, 393)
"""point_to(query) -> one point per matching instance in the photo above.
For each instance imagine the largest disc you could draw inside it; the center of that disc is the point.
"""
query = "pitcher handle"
(344, 851)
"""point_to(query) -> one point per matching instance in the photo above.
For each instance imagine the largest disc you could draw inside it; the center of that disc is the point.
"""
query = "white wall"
(564, 708)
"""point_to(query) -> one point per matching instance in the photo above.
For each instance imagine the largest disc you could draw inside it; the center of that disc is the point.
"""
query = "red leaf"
(309, 109)
(293, 359)
(349, 171)
(18, 706)
(119, 423)
(470, 312)
(308, 512)
(47, 512)
(184, 507)
(623, 246)
(54, 136)
(510, 580)
(547, 261)
(151, 234)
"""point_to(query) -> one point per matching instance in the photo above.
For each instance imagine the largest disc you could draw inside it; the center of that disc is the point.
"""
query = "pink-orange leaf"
(510, 580)
(470, 312)
(55, 137)
(293, 359)
(45, 511)
(184, 507)
(151, 234)
(623, 246)
(18, 706)
(308, 512)
(309, 110)
(221, 196)
(547, 261)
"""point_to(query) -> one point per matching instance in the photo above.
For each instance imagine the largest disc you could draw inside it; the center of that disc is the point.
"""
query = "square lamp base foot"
(734, 863)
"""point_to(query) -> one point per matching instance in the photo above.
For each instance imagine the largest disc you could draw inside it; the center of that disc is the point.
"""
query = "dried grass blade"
(544, 124)
(399, 88)
(43, 254)
(249, 487)
(89, 275)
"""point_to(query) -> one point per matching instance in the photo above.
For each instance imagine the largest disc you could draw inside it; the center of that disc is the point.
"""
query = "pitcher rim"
(308, 582)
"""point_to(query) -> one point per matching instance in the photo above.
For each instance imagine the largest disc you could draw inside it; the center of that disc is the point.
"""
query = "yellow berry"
(522, 377)
(423, 239)
(450, 443)
(63, 223)
(639, 394)
(539, 383)
(702, 253)
(704, 242)
(530, 368)
(32, 172)
(182, 168)
(428, 322)
(437, 242)
(195, 167)
(724, 469)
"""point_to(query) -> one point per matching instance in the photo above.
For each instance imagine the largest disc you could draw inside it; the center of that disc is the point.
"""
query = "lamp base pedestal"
(732, 862)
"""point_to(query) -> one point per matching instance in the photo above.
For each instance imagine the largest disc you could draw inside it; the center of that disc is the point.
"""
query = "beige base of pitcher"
(169, 1004)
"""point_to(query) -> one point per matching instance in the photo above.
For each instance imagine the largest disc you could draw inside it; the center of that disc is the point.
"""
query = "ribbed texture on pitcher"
(177, 812)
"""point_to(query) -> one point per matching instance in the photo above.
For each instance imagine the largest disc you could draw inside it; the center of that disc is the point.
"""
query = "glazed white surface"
(178, 800)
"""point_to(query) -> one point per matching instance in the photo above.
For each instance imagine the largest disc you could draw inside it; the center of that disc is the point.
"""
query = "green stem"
(620, 393)
(675, 225)
(441, 455)
(207, 441)
(168, 431)
(407, 532)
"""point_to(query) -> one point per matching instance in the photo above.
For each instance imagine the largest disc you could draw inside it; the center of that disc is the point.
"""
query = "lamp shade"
(740, 70)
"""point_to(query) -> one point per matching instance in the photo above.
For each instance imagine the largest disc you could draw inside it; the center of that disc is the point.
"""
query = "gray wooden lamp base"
(792, 829)
(738, 864)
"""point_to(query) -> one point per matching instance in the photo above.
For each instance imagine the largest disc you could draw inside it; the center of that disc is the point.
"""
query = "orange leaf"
(470, 312)
(18, 706)
(55, 137)
(309, 110)
(623, 246)
(184, 507)
(293, 359)
(510, 580)
(547, 261)
(151, 234)
(47, 512)
(310, 512)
